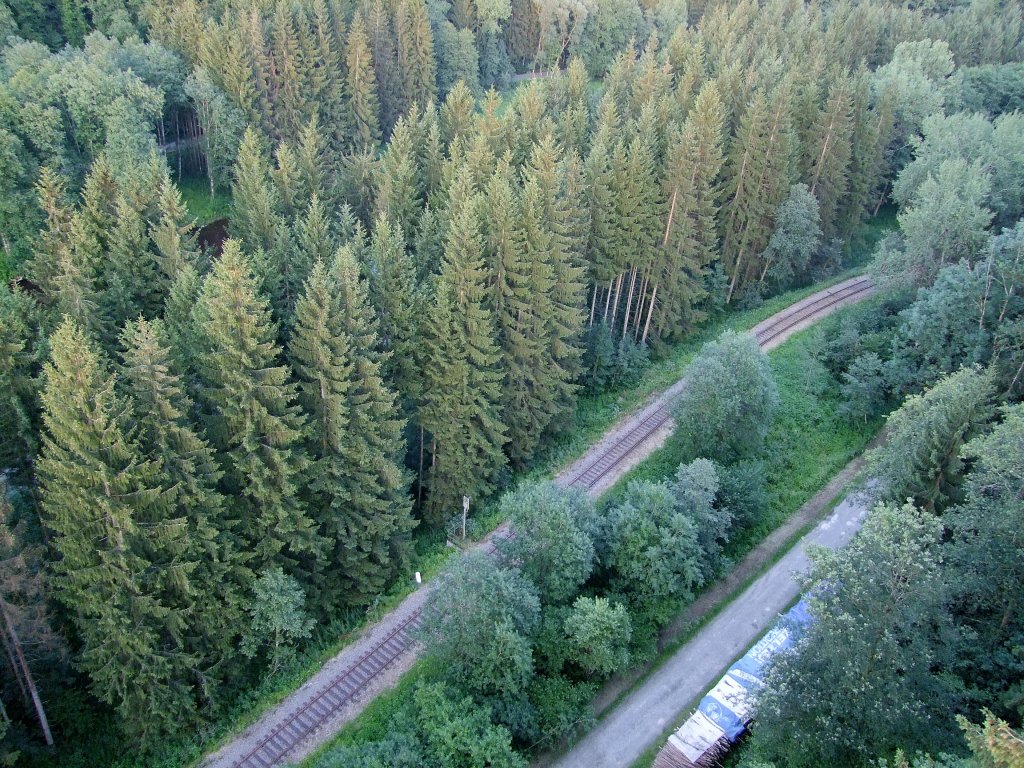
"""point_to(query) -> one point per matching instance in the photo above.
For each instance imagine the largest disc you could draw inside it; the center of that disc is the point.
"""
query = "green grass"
(195, 191)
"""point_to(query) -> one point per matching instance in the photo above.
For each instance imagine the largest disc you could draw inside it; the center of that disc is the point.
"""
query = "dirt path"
(230, 754)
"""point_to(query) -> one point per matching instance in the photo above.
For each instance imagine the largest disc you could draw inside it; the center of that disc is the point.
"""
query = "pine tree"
(205, 594)
(130, 280)
(19, 342)
(361, 88)
(356, 487)
(173, 235)
(329, 77)
(759, 180)
(415, 53)
(379, 30)
(398, 194)
(830, 168)
(565, 320)
(291, 110)
(462, 389)
(256, 203)
(252, 419)
(107, 512)
(394, 294)
(177, 317)
(690, 240)
(530, 391)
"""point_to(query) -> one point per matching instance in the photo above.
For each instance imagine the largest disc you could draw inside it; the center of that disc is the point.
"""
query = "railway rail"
(346, 686)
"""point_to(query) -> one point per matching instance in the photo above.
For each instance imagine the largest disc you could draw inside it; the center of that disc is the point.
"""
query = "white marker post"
(465, 514)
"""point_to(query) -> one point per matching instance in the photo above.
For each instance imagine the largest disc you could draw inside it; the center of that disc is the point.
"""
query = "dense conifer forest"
(446, 222)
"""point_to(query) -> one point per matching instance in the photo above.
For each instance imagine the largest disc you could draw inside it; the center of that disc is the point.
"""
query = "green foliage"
(356, 489)
(278, 618)
(110, 522)
(921, 459)
(551, 541)
(252, 419)
(946, 328)
(598, 633)
(726, 409)
(653, 549)
(879, 634)
(478, 622)
(796, 237)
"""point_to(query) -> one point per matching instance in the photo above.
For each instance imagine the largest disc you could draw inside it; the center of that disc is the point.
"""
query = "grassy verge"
(808, 446)
(195, 191)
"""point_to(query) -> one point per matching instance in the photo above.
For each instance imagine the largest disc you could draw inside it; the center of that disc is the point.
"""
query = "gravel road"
(641, 719)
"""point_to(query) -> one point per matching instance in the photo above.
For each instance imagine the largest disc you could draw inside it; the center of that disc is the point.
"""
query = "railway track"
(765, 333)
(345, 687)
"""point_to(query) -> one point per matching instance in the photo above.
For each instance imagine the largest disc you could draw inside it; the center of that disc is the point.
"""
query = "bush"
(598, 632)
(563, 708)
(729, 401)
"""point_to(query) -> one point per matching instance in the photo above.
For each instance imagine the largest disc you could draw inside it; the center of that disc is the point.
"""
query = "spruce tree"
(462, 390)
(758, 173)
(415, 53)
(361, 88)
(394, 294)
(114, 530)
(398, 194)
(530, 387)
(830, 167)
(20, 339)
(206, 595)
(690, 239)
(252, 419)
(256, 203)
(356, 486)
(173, 235)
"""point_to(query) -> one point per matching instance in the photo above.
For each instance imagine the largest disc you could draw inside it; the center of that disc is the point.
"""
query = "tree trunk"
(618, 295)
(593, 306)
(640, 303)
(419, 484)
(36, 701)
(608, 299)
(629, 304)
(650, 312)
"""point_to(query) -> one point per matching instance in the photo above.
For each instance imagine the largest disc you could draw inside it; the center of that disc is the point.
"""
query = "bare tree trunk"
(618, 295)
(988, 287)
(608, 299)
(177, 140)
(640, 304)
(1016, 377)
(629, 304)
(36, 701)
(732, 283)
(881, 199)
(593, 306)
(419, 484)
(650, 312)
(14, 664)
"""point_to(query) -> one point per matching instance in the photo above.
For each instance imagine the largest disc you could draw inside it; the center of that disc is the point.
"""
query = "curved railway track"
(346, 686)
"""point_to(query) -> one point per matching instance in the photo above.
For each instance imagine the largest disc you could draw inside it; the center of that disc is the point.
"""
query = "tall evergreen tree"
(356, 486)
(206, 593)
(116, 539)
(830, 167)
(759, 173)
(462, 379)
(361, 88)
(252, 419)
(415, 53)
(690, 240)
